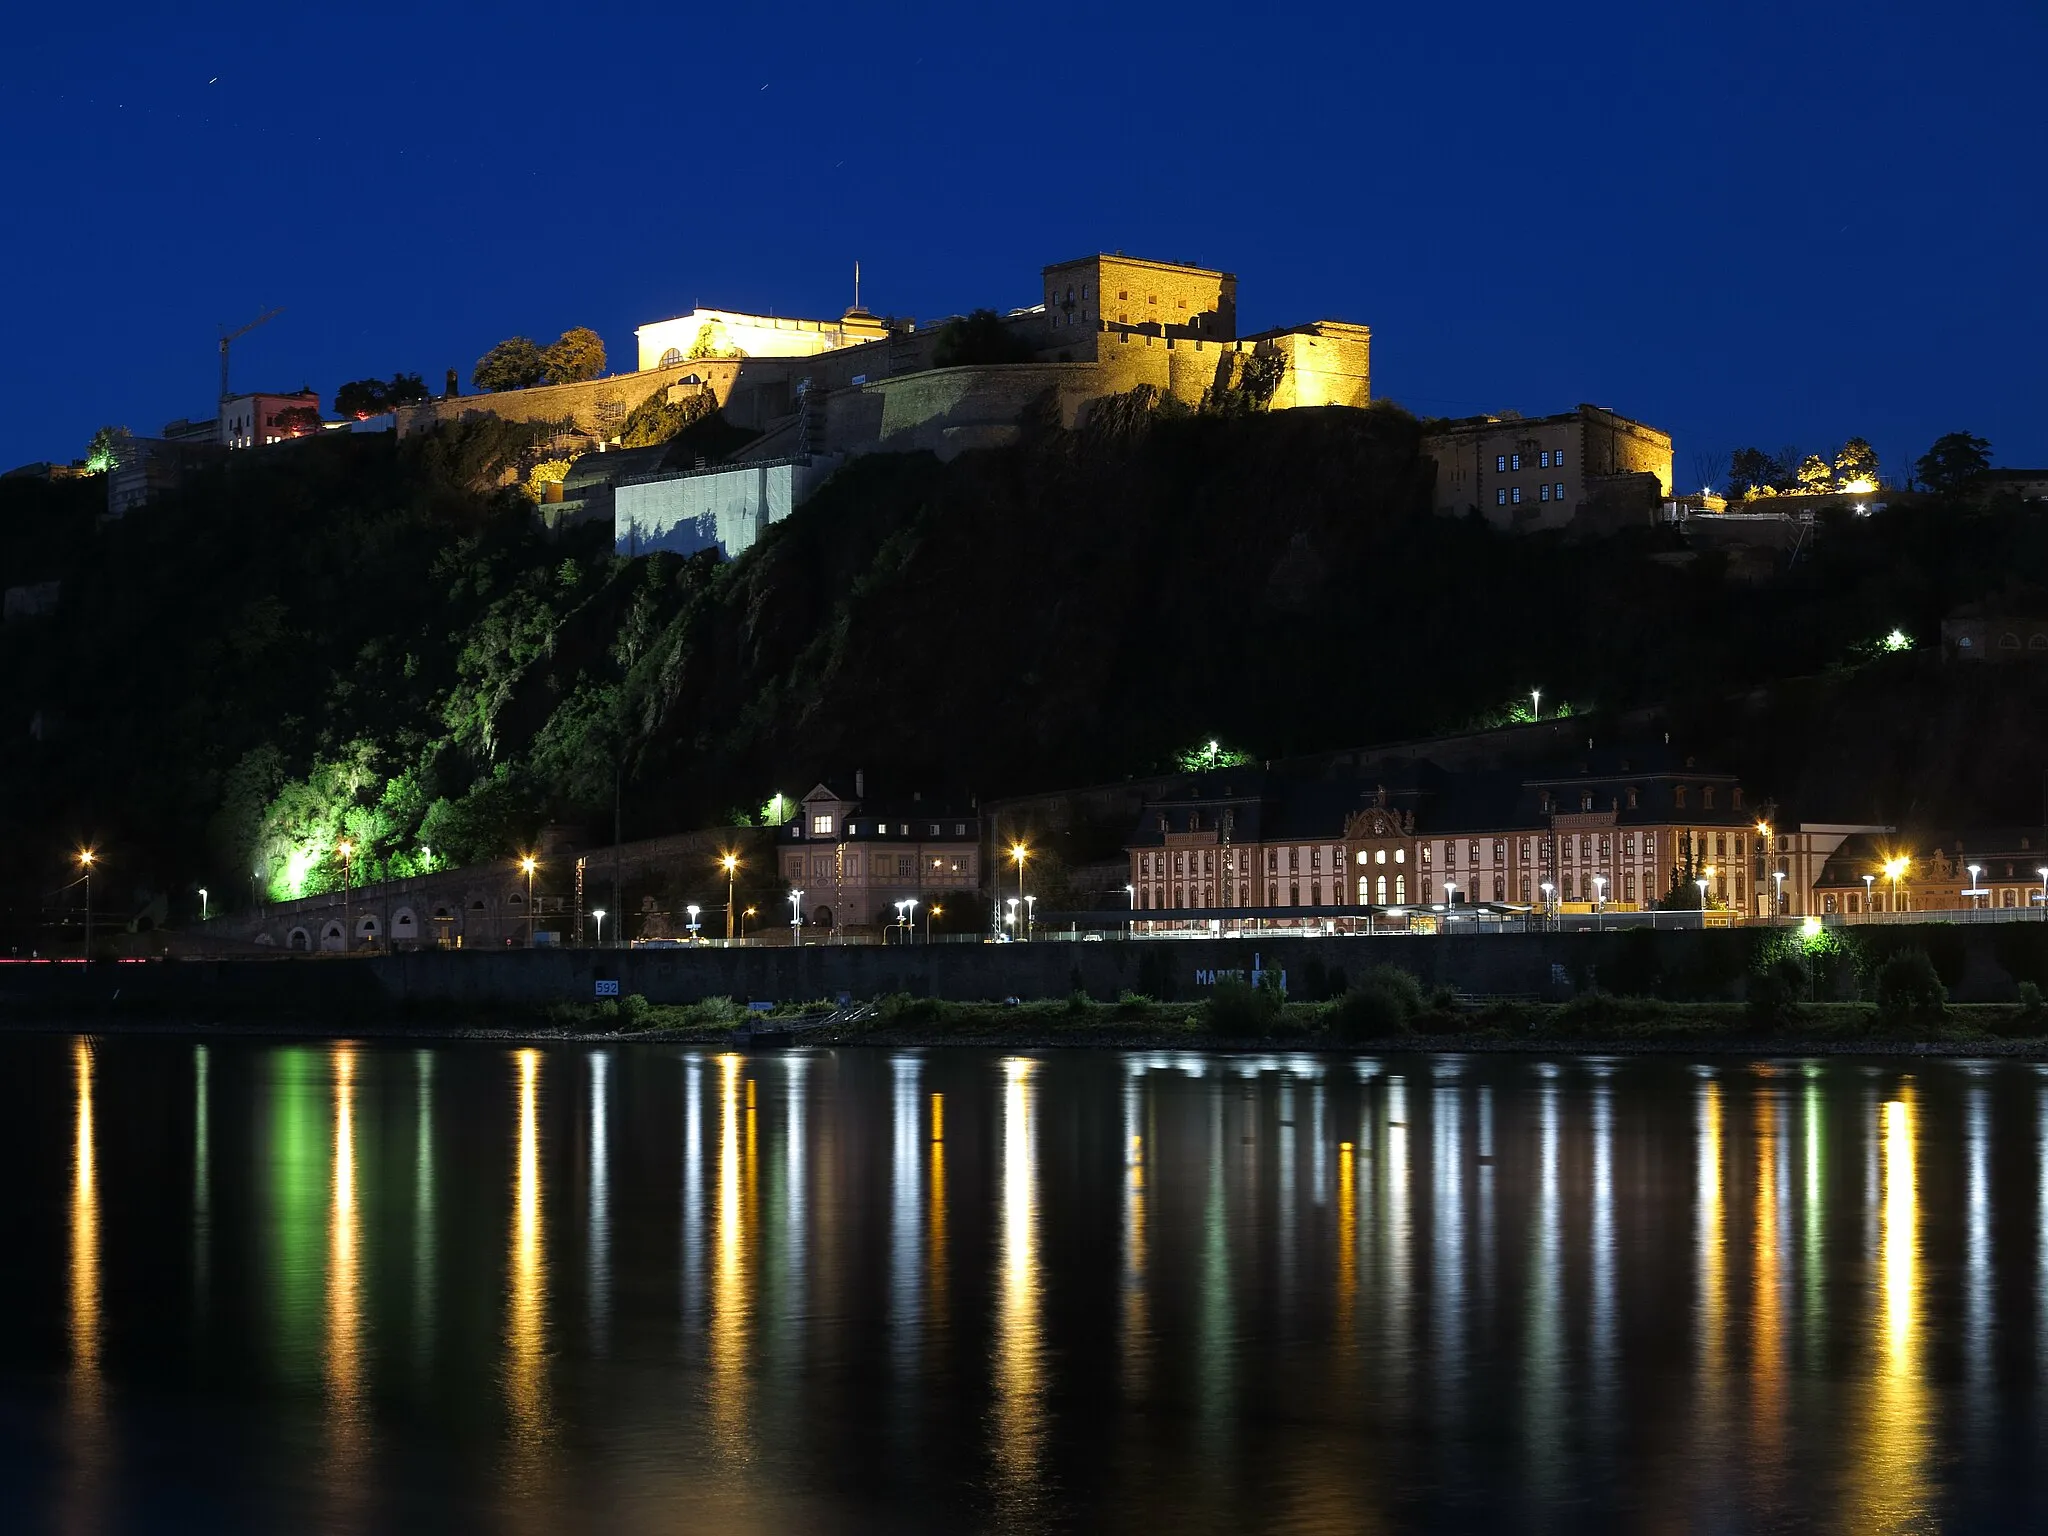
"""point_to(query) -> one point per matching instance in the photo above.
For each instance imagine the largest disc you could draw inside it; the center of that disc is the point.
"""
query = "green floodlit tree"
(712, 342)
(1210, 754)
(1954, 462)
(103, 452)
(514, 363)
(576, 358)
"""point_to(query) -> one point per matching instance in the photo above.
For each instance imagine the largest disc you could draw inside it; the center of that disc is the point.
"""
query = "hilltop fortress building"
(822, 391)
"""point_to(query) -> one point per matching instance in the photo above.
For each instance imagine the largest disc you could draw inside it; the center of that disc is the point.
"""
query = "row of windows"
(1504, 462)
(886, 865)
(1512, 495)
(821, 826)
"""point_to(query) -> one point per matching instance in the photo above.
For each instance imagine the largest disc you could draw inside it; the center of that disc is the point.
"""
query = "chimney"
(860, 785)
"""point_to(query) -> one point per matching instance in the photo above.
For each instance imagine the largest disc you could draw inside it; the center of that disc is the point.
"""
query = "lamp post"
(1777, 894)
(347, 856)
(1893, 869)
(529, 864)
(1010, 917)
(745, 913)
(1973, 892)
(899, 919)
(85, 858)
(1546, 888)
(1535, 703)
(1599, 898)
(1868, 881)
(930, 912)
(796, 918)
(598, 913)
(202, 903)
(1131, 922)
(909, 918)
(1030, 914)
(1019, 853)
(731, 863)
(693, 910)
(1702, 884)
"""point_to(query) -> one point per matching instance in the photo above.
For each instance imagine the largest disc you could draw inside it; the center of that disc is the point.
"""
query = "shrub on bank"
(1237, 1010)
(1384, 1004)
(1909, 990)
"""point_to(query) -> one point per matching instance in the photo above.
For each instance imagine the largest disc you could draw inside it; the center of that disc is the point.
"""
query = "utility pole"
(229, 338)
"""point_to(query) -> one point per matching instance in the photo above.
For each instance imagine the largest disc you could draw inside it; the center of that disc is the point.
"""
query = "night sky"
(1744, 223)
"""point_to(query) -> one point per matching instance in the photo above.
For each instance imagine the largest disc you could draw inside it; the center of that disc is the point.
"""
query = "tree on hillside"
(406, 389)
(576, 358)
(1955, 460)
(1856, 465)
(102, 453)
(362, 399)
(514, 363)
(979, 339)
(1749, 469)
(298, 421)
(1816, 475)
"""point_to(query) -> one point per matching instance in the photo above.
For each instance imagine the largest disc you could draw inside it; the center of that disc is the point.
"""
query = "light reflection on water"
(956, 1289)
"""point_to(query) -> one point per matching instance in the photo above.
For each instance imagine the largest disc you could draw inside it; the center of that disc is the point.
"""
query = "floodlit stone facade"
(1530, 473)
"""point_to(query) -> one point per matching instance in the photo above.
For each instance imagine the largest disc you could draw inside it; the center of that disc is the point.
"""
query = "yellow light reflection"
(730, 1310)
(1347, 1241)
(1137, 1246)
(1894, 1484)
(935, 1258)
(87, 1428)
(1767, 1378)
(1713, 1270)
(1019, 1420)
(85, 1232)
(526, 1312)
(344, 1351)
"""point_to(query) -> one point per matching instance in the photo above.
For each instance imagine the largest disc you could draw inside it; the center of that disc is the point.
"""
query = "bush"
(1776, 987)
(634, 1010)
(1368, 1013)
(1238, 1010)
(1909, 991)
(2030, 1001)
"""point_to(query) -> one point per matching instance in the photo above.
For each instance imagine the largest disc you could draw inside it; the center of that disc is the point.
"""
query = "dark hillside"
(364, 637)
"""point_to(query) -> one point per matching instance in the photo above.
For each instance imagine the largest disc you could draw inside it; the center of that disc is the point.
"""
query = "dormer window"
(1706, 797)
(1631, 797)
(1544, 797)
(1586, 801)
(1678, 797)
(1735, 798)
(821, 825)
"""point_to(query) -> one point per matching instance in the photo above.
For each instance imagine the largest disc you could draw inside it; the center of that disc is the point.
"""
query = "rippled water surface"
(333, 1286)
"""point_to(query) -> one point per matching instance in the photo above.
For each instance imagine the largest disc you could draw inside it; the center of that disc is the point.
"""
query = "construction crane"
(229, 338)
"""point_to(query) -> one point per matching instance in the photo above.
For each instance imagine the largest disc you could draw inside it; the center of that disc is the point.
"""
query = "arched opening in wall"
(2008, 641)
(404, 926)
(298, 939)
(331, 939)
(368, 930)
(2038, 643)
(672, 358)
(822, 917)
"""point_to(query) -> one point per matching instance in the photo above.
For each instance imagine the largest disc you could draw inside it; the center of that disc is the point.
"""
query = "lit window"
(1543, 493)
(1514, 461)
(1400, 855)
(1546, 459)
(1516, 497)
(1500, 498)
(1558, 492)
(1557, 459)
(1500, 462)
(821, 826)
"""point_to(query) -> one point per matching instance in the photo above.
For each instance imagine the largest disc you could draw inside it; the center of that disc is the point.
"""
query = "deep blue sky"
(1746, 223)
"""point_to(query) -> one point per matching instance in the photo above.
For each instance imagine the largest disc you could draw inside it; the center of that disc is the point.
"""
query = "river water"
(313, 1286)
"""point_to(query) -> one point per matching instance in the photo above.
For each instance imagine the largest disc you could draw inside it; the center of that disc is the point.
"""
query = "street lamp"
(731, 864)
(931, 912)
(1030, 914)
(1019, 853)
(796, 917)
(85, 858)
(1535, 703)
(202, 903)
(1546, 889)
(1010, 917)
(1868, 881)
(745, 913)
(693, 910)
(1777, 895)
(1599, 898)
(529, 864)
(347, 851)
(1973, 893)
(899, 919)
(1130, 922)
(1702, 884)
(909, 918)
(598, 913)
(1893, 869)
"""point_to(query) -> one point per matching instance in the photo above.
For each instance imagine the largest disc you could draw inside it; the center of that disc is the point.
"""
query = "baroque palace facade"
(1608, 830)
